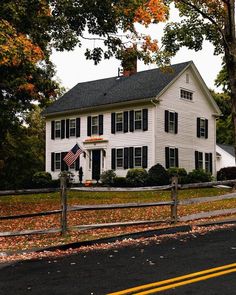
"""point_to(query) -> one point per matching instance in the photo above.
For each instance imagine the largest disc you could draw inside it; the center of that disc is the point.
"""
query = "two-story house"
(138, 120)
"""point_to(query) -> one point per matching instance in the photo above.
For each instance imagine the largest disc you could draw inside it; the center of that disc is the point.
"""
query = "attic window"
(185, 94)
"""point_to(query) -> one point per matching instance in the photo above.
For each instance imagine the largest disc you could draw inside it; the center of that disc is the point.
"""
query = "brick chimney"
(129, 62)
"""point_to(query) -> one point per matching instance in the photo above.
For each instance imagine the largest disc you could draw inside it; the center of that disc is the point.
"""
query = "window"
(94, 125)
(198, 160)
(137, 120)
(57, 129)
(208, 162)
(186, 94)
(172, 157)
(171, 122)
(119, 121)
(202, 128)
(137, 157)
(119, 158)
(57, 161)
(72, 127)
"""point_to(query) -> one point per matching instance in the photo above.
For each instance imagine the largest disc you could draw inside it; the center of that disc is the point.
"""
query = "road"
(107, 271)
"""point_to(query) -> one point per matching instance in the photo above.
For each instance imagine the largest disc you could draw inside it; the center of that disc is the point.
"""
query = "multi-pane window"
(72, 127)
(185, 94)
(202, 127)
(119, 121)
(199, 160)
(172, 158)
(57, 129)
(171, 122)
(137, 157)
(208, 162)
(138, 120)
(94, 125)
(57, 161)
(119, 158)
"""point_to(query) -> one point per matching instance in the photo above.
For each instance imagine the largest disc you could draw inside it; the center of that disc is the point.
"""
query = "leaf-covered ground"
(12, 205)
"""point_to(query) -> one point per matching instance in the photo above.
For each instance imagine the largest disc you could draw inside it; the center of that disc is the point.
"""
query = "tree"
(206, 20)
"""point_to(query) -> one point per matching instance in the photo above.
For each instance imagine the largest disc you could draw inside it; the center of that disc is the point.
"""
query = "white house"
(136, 120)
(225, 156)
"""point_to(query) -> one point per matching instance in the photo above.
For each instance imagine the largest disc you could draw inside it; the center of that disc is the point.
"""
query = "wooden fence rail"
(173, 203)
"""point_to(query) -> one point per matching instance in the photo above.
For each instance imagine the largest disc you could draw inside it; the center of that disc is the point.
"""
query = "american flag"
(72, 155)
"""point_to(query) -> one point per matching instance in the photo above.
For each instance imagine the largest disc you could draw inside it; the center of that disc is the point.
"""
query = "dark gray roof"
(228, 148)
(145, 84)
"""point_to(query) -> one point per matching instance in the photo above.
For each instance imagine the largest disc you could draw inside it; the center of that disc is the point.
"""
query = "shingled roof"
(145, 84)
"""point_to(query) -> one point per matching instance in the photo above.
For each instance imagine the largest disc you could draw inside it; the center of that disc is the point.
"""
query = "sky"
(72, 67)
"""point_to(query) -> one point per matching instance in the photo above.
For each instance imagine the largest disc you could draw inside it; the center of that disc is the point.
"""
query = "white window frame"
(200, 163)
(57, 129)
(119, 122)
(57, 161)
(186, 94)
(72, 134)
(172, 158)
(138, 157)
(94, 126)
(138, 121)
(202, 127)
(207, 163)
(120, 158)
(171, 123)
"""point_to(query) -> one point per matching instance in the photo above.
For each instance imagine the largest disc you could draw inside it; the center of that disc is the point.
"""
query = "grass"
(11, 205)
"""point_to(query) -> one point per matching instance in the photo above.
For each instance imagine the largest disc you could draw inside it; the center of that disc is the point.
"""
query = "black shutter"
(176, 158)
(77, 127)
(211, 169)
(131, 121)
(113, 123)
(64, 166)
(145, 119)
(52, 129)
(196, 160)
(131, 157)
(89, 125)
(52, 162)
(77, 164)
(126, 158)
(166, 121)
(62, 129)
(126, 123)
(206, 128)
(198, 127)
(176, 123)
(67, 128)
(145, 157)
(113, 159)
(167, 154)
(100, 124)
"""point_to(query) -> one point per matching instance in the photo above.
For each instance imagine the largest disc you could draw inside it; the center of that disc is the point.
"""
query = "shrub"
(42, 179)
(181, 173)
(198, 175)
(136, 177)
(120, 182)
(107, 177)
(157, 175)
(226, 173)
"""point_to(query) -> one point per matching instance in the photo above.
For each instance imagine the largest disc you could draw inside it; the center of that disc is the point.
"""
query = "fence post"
(174, 199)
(63, 186)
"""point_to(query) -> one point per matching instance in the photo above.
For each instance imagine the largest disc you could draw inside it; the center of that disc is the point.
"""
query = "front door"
(96, 164)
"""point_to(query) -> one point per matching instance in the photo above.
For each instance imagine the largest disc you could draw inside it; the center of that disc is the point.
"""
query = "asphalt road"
(106, 271)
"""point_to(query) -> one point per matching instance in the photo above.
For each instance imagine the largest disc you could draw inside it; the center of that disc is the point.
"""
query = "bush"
(157, 175)
(107, 177)
(41, 179)
(136, 177)
(198, 175)
(181, 173)
(227, 173)
(120, 182)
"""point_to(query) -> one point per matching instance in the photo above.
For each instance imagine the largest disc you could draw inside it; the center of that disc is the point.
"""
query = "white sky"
(72, 67)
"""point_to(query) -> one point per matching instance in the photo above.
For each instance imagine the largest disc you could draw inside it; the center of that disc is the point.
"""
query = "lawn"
(11, 205)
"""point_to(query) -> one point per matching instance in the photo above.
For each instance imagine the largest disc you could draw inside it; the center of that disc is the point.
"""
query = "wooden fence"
(173, 204)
